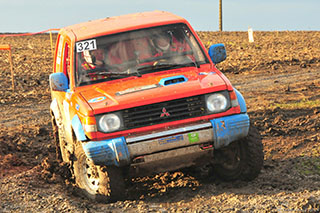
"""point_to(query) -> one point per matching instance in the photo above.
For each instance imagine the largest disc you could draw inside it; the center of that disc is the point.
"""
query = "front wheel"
(65, 155)
(99, 183)
(61, 144)
(242, 159)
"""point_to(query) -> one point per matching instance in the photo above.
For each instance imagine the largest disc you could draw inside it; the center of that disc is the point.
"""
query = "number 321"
(86, 45)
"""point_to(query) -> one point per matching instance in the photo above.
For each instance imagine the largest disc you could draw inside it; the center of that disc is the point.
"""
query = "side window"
(66, 60)
(59, 54)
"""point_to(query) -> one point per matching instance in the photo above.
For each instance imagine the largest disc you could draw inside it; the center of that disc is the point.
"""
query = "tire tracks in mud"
(24, 113)
(288, 181)
(261, 81)
(280, 186)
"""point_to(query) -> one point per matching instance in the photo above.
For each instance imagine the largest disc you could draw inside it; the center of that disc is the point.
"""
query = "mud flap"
(229, 129)
(112, 152)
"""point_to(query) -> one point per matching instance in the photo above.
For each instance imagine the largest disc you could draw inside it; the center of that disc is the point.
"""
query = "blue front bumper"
(108, 152)
(115, 151)
(229, 129)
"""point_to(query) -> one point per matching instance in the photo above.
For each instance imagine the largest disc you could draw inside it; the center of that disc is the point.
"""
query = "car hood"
(150, 88)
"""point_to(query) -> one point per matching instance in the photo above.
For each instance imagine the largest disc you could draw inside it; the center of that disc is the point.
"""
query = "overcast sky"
(266, 15)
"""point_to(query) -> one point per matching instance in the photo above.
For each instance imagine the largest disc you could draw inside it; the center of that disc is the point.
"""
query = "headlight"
(217, 102)
(110, 123)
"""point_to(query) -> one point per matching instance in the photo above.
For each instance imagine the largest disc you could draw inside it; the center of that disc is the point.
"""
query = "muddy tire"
(241, 160)
(56, 138)
(98, 183)
(62, 153)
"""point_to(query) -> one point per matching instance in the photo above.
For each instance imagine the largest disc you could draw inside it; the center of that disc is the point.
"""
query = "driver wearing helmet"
(171, 43)
(162, 43)
(93, 59)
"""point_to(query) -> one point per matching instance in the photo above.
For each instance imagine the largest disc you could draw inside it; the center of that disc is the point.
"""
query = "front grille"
(158, 113)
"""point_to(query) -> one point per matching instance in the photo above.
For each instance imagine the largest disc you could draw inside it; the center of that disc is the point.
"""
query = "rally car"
(139, 94)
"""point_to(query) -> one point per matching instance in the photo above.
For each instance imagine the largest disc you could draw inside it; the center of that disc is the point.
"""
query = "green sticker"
(193, 137)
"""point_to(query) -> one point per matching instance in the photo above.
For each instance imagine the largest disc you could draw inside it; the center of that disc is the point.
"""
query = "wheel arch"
(77, 129)
(241, 101)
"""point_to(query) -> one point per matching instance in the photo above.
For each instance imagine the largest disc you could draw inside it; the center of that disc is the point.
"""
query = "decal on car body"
(170, 139)
(86, 45)
(137, 89)
(97, 99)
(207, 73)
(193, 137)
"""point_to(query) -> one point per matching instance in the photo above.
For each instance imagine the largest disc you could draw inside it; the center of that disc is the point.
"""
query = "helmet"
(162, 41)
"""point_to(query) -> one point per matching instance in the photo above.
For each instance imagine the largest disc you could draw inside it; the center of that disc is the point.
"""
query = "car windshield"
(135, 53)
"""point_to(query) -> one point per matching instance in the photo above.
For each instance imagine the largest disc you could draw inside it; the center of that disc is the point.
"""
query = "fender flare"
(241, 101)
(78, 128)
(75, 123)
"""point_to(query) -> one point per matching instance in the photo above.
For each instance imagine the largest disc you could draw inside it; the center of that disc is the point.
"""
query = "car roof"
(118, 24)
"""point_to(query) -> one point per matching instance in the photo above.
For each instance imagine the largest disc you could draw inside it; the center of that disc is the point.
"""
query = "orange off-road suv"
(138, 94)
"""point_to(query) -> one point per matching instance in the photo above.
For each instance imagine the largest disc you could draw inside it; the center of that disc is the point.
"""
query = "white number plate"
(86, 45)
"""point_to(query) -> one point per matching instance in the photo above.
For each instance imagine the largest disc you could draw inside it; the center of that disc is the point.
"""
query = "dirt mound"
(23, 146)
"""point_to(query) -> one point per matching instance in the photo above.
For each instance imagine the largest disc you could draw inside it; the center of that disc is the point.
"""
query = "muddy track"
(282, 102)
(261, 81)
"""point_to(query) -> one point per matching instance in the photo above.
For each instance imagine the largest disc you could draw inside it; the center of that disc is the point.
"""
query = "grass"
(302, 104)
(310, 165)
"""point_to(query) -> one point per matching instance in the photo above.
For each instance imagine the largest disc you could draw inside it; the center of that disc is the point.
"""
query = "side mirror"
(58, 82)
(217, 53)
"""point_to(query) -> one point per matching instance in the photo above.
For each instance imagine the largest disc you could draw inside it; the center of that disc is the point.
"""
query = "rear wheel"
(242, 159)
(99, 183)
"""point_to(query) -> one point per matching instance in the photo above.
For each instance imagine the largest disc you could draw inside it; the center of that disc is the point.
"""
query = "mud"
(279, 76)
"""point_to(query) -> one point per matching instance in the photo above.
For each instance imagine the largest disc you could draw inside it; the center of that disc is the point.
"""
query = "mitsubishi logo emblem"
(164, 113)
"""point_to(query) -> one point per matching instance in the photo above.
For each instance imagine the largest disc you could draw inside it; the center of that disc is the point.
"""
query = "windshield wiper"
(116, 74)
(134, 71)
(191, 64)
(167, 66)
(156, 67)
